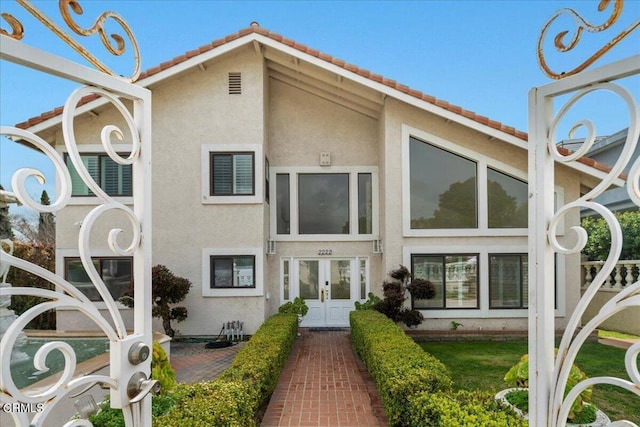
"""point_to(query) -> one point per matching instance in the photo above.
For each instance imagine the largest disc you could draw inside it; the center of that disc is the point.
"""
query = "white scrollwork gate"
(548, 374)
(129, 368)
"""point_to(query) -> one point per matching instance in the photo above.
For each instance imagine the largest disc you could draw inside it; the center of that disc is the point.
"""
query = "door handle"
(322, 295)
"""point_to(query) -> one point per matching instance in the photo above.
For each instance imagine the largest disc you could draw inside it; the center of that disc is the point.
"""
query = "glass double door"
(329, 288)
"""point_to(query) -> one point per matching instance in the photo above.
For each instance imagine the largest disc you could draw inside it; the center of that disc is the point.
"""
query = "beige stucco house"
(280, 171)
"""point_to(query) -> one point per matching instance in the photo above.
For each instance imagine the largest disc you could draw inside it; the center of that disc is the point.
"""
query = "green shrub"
(161, 369)
(235, 397)
(297, 307)
(110, 417)
(397, 364)
(222, 402)
(369, 303)
(461, 409)
(518, 376)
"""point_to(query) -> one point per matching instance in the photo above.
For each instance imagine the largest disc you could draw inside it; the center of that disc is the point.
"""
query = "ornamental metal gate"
(548, 374)
(129, 352)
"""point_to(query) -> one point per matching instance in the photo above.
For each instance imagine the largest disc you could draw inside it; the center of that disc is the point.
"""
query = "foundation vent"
(235, 83)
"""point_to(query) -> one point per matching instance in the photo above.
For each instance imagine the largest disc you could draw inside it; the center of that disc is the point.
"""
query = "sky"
(480, 55)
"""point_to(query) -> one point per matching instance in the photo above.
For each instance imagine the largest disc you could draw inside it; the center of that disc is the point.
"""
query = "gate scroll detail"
(129, 369)
(549, 373)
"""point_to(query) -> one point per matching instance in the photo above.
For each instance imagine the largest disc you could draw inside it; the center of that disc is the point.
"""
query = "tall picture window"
(507, 200)
(323, 203)
(443, 188)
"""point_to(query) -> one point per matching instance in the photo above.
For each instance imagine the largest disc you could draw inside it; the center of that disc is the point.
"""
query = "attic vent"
(235, 83)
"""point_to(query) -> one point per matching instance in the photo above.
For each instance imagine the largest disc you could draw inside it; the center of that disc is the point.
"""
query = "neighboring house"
(280, 171)
(607, 150)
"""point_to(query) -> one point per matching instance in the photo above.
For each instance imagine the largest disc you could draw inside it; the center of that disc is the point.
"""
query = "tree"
(394, 297)
(599, 242)
(46, 222)
(40, 254)
(457, 208)
(6, 231)
(166, 289)
(35, 228)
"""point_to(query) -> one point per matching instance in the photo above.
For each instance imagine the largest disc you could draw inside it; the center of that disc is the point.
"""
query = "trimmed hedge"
(399, 367)
(235, 397)
(462, 409)
(414, 386)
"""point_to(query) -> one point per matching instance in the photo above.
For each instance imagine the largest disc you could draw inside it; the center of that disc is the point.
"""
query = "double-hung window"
(113, 178)
(232, 174)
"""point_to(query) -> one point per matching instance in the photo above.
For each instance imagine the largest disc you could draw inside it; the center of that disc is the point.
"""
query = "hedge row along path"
(324, 384)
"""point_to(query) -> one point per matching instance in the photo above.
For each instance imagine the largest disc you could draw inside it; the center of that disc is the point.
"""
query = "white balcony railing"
(624, 273)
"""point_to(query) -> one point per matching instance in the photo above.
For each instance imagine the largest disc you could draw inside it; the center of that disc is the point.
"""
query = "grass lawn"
(612, 334)
(482, 365)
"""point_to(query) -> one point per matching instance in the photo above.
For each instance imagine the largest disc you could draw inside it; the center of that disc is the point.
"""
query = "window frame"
(465, 246)
(521, 302)
(231, 154)
(206, 151)
(212, 259)
(444, 285)
(99, 269)
(240, 291)
(90, 149)
(62, 254)
(294, 213)
(483, 163)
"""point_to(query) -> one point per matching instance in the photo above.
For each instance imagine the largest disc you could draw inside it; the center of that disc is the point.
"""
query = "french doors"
(329, 287)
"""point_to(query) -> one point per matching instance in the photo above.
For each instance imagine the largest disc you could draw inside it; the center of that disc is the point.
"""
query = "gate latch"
(139, 386)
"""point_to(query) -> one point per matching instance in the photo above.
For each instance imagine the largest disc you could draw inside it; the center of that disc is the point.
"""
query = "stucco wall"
(301, 126)
(189, 110)
(626, 321)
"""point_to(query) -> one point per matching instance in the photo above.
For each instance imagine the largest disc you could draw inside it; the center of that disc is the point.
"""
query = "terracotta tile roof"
(254, 28)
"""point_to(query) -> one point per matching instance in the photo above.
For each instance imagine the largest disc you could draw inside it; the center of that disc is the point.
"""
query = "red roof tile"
(254, 28)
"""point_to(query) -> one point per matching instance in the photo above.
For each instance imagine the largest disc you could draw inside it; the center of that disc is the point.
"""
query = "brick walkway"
(324, 384)
(194, 363)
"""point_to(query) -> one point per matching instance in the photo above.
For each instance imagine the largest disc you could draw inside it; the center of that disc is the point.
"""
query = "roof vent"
(254, 24)
(235, 83)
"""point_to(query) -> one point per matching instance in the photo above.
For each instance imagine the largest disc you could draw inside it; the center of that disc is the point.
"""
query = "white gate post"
(548, 373)
(541, 261)
(129, 377)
